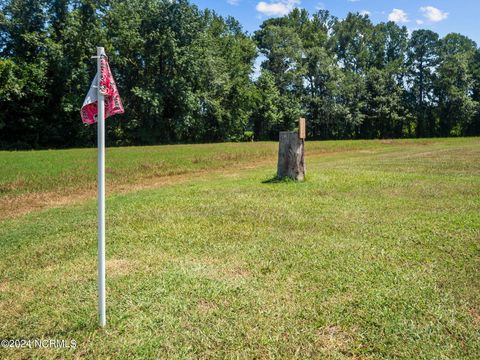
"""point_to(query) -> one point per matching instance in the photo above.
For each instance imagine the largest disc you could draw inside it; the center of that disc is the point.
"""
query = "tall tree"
(266, 117)
(23, 73)
(423, 58)
(351, 38)
(473, 127)
(454, 84)
(385, 114)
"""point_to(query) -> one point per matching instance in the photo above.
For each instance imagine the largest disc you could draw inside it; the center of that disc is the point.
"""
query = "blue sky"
(442, 16)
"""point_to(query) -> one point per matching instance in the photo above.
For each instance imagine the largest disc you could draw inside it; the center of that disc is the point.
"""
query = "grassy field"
(36, 180)
(376, 255)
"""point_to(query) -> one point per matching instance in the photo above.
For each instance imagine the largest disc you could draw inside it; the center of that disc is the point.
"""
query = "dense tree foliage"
(354, 79)
(187, 75)
(183, 74)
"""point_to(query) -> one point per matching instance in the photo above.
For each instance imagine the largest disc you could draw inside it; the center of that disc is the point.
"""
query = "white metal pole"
(101, 194)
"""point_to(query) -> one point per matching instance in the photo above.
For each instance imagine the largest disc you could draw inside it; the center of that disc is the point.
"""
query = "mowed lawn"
(376, 255)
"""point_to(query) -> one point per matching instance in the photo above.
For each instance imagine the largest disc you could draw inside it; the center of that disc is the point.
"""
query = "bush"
(248, 136)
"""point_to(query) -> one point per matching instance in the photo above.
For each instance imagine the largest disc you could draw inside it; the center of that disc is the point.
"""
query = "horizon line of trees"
(186, 75)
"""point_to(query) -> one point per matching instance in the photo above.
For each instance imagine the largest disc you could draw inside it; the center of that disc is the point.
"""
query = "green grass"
(376, 255)
(71, 170)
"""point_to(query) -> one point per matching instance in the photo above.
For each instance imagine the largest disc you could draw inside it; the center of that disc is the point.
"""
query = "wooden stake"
(302, 129)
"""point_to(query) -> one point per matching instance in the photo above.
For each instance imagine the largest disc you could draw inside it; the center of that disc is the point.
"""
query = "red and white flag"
(113, 103)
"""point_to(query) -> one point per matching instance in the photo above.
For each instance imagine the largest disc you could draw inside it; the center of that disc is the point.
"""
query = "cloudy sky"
(442, 16)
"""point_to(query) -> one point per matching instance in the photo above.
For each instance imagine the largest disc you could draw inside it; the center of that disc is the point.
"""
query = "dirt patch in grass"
(15, 206)
(16, 296)
(206, 306)
(12, 186)
(334, 339)
(227, 274)
(4, 286)
(121, 267)
(215, 269)
(475, 314)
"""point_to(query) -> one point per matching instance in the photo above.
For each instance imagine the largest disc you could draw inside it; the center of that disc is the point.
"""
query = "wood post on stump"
(291, 153)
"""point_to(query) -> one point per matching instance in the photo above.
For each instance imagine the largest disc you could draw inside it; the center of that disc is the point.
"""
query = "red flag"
(113, 103)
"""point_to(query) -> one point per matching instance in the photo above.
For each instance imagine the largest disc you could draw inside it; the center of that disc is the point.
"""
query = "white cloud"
(277, 8)
(419, 21)
(433, 14)
(398, 15)
(233, 2)
(365, 12)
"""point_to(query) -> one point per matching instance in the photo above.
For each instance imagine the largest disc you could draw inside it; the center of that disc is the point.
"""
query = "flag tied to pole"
(113, 103)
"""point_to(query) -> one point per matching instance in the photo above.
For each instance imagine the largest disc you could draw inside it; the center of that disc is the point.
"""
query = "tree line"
(187, 75)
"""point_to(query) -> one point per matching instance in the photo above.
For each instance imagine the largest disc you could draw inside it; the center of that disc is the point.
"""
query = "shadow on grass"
(277, 180)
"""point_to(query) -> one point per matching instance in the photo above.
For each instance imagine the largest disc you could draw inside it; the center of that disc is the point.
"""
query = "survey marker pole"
(101, 193)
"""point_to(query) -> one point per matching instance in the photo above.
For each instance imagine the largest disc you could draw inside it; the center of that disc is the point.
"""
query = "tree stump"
(291, 156)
